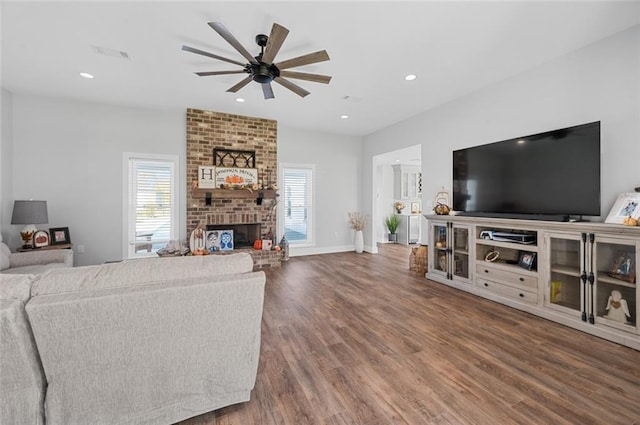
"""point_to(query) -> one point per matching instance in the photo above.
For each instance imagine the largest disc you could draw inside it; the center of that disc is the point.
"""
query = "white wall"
(337, 159)
(6, 168)
(385, 199)
(597, 83)
(70, 154)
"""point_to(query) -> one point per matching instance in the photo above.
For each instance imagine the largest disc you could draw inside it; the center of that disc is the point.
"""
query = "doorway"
(388, 188)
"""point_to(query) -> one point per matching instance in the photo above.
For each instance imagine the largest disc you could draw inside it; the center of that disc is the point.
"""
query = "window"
(150, 204)
(297, 211)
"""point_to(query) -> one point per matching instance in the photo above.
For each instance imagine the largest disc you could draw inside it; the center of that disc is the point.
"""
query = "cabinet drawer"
(513, 278)
(508, 291)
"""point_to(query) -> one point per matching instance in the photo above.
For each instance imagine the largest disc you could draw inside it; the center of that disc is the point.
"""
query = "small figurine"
(617, 308)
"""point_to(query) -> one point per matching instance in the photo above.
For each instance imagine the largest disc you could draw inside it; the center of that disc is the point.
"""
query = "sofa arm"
(21, 259)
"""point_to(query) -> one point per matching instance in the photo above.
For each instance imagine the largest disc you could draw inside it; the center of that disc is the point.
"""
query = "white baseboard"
(315, 250)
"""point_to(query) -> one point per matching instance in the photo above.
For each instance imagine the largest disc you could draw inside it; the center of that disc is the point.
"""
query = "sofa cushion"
(5, 254)
(34, 269)
(22, 383)
(139, 271)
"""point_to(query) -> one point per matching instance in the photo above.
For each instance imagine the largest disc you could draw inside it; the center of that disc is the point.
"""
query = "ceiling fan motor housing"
(263, 73)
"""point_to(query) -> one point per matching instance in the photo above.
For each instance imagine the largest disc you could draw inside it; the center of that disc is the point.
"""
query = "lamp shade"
(29, 212)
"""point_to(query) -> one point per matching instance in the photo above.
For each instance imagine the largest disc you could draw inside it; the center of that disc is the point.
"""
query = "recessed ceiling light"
(520, 142)
(239, 99)
(410, 77)
(86, 75)
(344, 117)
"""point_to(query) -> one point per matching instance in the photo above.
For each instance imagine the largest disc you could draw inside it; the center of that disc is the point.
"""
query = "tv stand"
(562, 271)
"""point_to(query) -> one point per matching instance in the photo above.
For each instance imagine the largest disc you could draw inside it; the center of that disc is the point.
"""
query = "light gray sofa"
(33, 262)
(148, 341)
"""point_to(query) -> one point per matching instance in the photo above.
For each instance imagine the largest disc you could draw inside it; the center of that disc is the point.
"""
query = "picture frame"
(40, 239)
(206, 177)
(59, 235)
(627, 205)
(623, 267)
(527, 260)
(230, 177)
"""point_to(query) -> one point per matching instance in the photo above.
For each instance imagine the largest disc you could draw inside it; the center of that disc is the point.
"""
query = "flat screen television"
(548, 176)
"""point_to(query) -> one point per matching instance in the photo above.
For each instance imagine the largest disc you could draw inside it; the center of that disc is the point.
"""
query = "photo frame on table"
(527, 259)
(624, 267)
(627, 205)
(40, 239)
(415, 208)
(59, 235)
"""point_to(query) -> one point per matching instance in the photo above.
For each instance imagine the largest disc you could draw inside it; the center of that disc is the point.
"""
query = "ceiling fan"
(262, 68)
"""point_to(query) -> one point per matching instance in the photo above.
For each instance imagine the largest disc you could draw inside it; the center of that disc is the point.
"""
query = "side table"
(61, 246)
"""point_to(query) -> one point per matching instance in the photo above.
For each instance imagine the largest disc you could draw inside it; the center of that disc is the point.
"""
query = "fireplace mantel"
(233, 193)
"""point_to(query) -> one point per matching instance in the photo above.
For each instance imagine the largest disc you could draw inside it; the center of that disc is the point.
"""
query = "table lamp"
(29, 213)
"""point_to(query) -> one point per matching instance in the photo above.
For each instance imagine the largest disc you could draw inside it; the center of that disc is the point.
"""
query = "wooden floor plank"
(359, 339)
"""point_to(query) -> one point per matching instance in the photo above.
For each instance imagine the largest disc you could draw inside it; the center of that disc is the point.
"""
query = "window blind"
(298, 204)
(151, 204)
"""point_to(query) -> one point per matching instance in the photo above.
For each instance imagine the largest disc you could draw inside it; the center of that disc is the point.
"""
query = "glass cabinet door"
(439, 235)
(460, 252)
(565, 288)
(615, 295)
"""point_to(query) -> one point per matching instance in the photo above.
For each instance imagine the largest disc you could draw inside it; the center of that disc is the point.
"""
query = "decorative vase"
(393, 237)
(359, 241)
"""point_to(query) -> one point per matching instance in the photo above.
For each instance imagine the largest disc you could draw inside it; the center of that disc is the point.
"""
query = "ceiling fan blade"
(210, 55)
(307, 59)
(267, 90)
(291, 86)
(316, 78)
(240, 85)
(224, 32)
(276, 38)
(206, 74)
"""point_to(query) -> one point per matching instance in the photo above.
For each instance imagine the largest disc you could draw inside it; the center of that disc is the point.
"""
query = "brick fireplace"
(207, 130)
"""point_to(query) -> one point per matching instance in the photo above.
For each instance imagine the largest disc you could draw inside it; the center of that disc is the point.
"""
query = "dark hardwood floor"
(359, 339)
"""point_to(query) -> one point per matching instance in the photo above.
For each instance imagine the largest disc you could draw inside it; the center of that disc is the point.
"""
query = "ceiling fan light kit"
(261, 68)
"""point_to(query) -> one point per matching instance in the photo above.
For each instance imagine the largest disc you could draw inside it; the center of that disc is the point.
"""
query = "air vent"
(110, 52)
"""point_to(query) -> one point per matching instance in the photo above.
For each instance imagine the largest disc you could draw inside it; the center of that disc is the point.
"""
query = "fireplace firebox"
(243, 234)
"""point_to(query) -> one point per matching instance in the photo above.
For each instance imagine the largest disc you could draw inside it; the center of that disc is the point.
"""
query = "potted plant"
(392, 222)
(399, 206)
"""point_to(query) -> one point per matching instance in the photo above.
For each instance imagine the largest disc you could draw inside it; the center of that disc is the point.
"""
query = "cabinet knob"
(522, 279)
(486, 271)
(521, 295)
(486, 284)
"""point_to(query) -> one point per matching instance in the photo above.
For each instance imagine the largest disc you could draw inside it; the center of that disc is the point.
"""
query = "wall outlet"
(80, 249)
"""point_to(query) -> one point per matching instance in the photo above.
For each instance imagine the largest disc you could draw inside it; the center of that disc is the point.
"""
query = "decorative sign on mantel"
(235, 176)
(206, 177)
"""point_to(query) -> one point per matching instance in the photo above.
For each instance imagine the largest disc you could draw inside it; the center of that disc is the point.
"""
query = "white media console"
(582, 274)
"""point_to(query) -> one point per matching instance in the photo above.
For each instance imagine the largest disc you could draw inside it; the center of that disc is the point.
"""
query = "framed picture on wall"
(59, 235)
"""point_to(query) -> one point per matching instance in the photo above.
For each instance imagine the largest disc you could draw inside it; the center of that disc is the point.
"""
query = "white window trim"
(311, 235)
(175, 202)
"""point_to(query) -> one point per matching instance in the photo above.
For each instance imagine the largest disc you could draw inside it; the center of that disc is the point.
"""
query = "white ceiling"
(454, 48)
